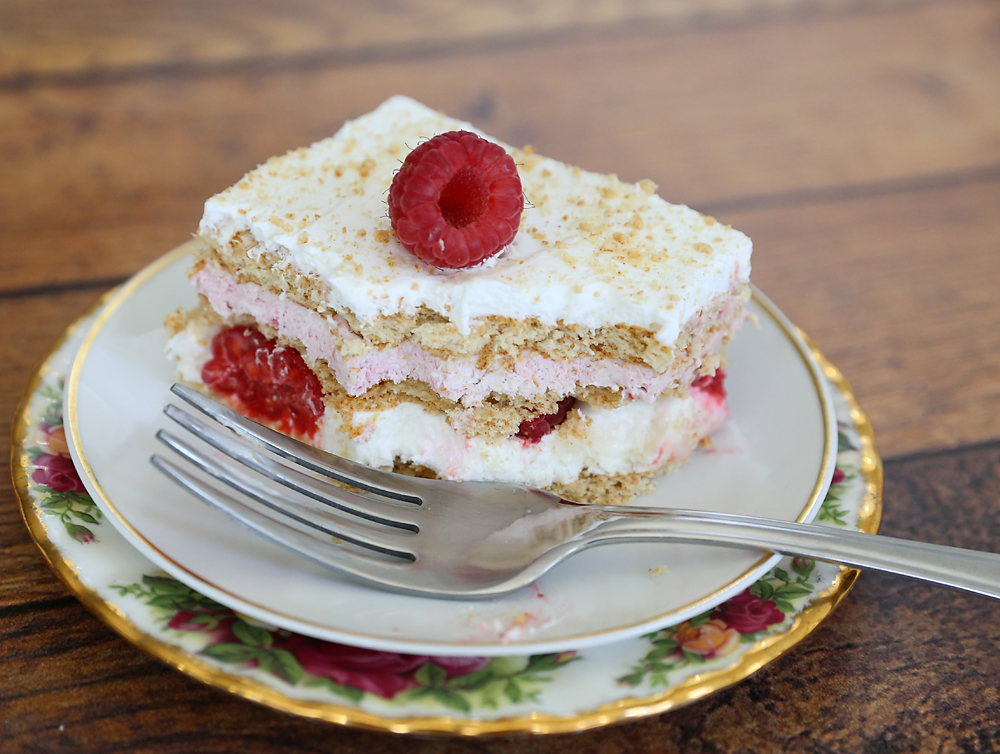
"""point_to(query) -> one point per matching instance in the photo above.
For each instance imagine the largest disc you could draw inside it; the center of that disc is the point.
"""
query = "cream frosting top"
(591, 250)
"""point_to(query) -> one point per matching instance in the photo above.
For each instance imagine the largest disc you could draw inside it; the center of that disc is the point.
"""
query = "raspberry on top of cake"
(591, 251)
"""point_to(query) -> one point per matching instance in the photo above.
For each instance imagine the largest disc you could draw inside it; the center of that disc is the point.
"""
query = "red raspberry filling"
(272, 382)
(713, 384)
(535, 429)
(456, 200)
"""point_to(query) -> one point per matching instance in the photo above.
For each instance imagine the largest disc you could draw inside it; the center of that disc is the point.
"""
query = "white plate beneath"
(774, 458)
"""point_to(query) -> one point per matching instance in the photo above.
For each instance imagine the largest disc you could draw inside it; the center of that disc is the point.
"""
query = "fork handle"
(971, 570)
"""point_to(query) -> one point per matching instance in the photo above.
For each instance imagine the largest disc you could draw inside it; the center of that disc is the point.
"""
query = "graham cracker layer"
(596, 489)
(496, 417)
(493, 339)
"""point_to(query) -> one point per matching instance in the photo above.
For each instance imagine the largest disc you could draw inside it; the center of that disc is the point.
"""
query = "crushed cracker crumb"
(366, 167)
(648, 186)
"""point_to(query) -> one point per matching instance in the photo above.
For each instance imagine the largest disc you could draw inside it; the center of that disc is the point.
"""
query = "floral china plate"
(773, 458)
(422, 693)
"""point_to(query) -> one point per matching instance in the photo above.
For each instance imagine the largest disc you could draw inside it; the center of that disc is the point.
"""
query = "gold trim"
(128, 289)
(688, 691)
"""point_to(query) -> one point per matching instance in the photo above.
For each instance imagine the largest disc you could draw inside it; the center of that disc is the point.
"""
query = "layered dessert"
(416, 296)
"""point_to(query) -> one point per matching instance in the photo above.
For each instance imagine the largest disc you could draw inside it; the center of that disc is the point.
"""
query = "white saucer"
(537, 693)
(774, 458)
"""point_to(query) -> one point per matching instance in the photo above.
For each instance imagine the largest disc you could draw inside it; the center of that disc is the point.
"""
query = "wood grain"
(29, 581)
(899, 291)
(900, 667)
(857, 142)
(102, 179)
(60, 40)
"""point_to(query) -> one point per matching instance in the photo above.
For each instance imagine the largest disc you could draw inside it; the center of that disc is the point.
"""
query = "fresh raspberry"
(713, 384)
(456, 200)
(272, 383)
(535, 429)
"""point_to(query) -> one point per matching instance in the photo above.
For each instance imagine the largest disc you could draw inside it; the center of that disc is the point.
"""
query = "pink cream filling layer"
(458, 379)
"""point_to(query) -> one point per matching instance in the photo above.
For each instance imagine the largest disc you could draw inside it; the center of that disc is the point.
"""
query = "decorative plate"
(538, 693)
(774, 458)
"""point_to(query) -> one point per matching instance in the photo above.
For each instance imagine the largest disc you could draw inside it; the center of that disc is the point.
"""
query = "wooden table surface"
(856, 141)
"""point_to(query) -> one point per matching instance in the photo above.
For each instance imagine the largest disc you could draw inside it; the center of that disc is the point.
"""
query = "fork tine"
(387, 541)
(387, 512)
(388, 485)
(363, 566)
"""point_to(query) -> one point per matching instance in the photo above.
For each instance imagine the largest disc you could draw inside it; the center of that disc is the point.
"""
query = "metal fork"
(472, 540)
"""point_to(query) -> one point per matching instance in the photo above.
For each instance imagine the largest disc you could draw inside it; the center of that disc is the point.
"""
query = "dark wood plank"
(857, 141)
(28, 580)
(900, 292)
(60, 39)
(900, 667)
(100, 179)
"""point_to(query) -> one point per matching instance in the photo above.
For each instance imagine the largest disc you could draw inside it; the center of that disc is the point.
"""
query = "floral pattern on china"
(461, 684)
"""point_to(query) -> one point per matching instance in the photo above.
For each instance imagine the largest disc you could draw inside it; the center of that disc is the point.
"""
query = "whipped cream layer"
(591, 250)
(634, 438)
(637, 437)
(461, 379)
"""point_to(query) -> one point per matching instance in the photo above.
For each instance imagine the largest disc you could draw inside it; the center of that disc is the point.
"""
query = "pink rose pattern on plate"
(54, 478)
(742, 619)
(751, 614)
(464, 684)
(460, 684)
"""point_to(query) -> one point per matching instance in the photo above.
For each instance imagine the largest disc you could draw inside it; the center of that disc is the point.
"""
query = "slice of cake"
(583, 354)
